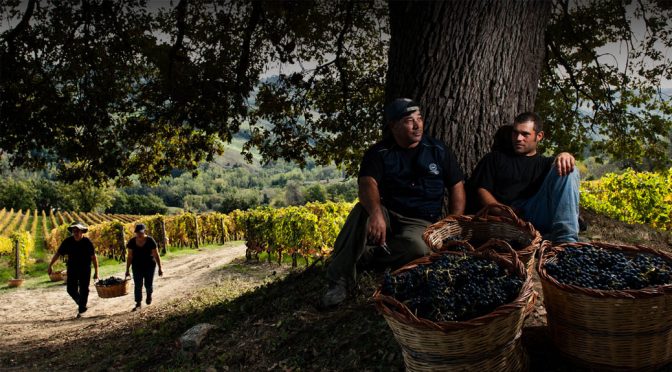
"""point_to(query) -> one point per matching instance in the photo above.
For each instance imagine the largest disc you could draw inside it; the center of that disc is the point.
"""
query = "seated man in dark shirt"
(544, 190)
(401, 191)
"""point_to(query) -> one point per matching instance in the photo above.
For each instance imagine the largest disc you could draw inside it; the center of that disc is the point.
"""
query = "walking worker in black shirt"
(544, 190)
(143, 257)
(402, 181)
(80, 254)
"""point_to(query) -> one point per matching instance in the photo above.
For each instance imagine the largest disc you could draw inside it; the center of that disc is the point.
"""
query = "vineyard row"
(307, 231)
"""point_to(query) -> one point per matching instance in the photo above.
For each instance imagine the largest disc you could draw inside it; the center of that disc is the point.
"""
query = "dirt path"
(31, 317)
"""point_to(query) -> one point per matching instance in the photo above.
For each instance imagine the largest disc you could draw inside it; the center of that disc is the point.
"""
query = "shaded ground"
(268, 319)
(44, 318)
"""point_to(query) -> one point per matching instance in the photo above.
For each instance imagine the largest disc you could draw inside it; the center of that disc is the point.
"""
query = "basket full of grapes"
(609, 306)
(458, 310)
(496, 221)
(112, 287)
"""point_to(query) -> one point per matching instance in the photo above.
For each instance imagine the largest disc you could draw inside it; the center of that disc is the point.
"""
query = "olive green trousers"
(404, 242)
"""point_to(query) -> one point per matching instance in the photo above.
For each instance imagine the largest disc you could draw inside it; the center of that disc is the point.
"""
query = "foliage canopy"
(108, 89)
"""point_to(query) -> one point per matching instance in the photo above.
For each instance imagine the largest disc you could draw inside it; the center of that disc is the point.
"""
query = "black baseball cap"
(140, 227)
(400, 108)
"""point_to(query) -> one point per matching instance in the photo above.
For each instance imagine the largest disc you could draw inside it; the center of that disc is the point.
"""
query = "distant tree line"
(216, 187)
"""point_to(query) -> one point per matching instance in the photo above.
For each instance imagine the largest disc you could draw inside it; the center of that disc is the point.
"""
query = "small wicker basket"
(481, 227)
(57, 276)
(611, 330)
(490, 342)
(115, 290)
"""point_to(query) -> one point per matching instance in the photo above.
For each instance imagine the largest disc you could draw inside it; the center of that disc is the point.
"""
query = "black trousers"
(78, 286)
(143, 274)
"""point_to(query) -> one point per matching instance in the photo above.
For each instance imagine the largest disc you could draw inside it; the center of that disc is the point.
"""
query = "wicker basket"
(481, 227)
(490, 342)
(116, 290)
(14, 283)
(57, 276)
(613, 330)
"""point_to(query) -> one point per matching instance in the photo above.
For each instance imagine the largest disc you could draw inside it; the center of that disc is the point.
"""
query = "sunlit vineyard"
(40, 223)
(307, 231)
(632, 197)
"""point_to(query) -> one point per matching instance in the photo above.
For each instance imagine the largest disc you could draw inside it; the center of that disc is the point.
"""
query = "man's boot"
(337, 293)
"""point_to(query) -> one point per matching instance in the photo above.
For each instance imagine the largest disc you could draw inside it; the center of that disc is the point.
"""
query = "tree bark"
(472, 66)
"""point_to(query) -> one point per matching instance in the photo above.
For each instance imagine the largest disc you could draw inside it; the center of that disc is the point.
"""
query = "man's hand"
(564, 163)
(95, 276)
(160, 272)
(377, 229)
(49, 271)
(128, 274)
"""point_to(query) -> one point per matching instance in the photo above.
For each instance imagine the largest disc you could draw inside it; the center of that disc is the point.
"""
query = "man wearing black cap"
(401, 191)
(81, 253)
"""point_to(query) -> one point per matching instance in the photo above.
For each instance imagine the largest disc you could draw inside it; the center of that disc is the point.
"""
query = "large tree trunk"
(472, 65)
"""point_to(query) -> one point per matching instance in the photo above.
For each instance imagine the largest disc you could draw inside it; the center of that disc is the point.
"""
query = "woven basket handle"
(446, 246)
(545, 245)
(395, 308)
(504, 209)
(531, 302)
(493, 243)
(489, 248)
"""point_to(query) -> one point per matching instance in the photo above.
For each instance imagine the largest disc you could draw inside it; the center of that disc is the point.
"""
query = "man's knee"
(573, 176)
(73, 290)
(414, 248)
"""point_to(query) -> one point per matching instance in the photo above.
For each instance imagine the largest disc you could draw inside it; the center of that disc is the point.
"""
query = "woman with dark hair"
(81, 253)
(143, 257)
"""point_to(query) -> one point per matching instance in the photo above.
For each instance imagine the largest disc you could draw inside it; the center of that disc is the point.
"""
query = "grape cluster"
(113, 280)
(453, 288)
(597, 268)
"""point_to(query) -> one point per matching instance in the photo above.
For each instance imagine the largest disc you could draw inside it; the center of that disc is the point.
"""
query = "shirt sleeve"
(91, 248)
(484, 174)
(454, 171)
(548, 163)
(152, 243)
(130, 244)
(62, 249)
(372, 166)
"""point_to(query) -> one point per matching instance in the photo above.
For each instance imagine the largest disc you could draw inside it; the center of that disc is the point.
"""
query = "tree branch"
(340, 46)
(244, 59)
(570, 71)
(647, 23)
(181, 10)
(22, 25)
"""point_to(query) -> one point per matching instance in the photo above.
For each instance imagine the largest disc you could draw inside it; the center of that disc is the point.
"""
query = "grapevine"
(16, 218)
(23, 224)
(26, 246)
(33, 225)
(52, 218)
(632, 197)
(60, 219)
